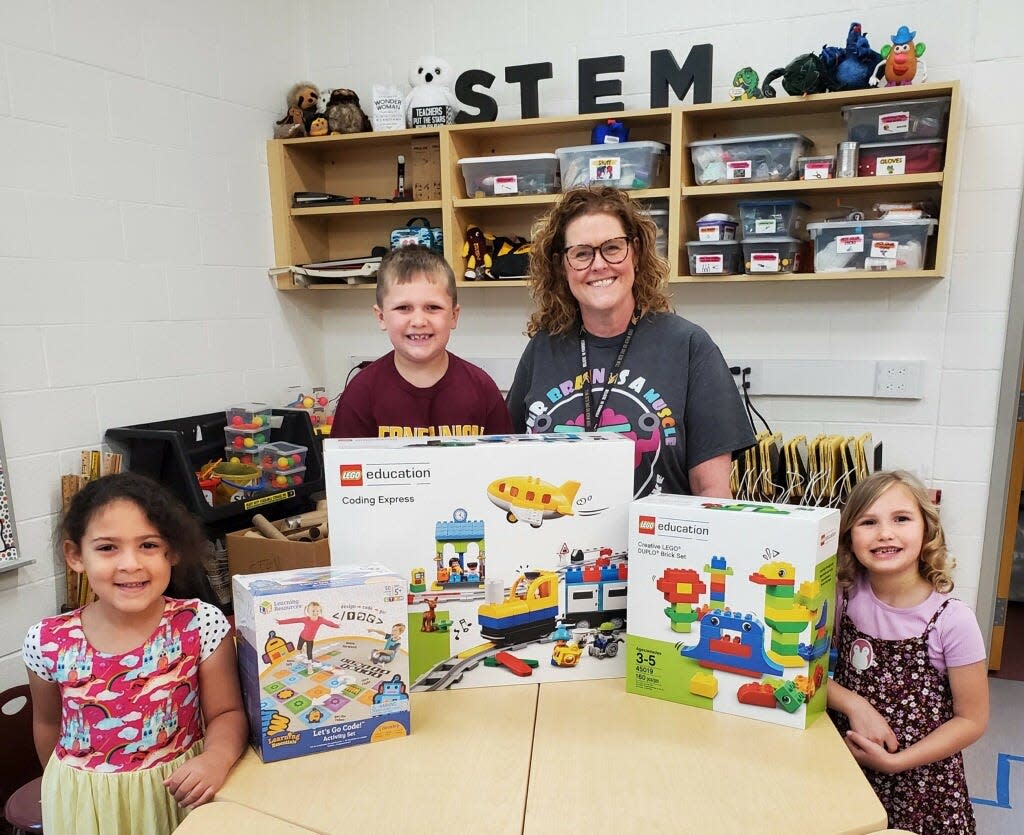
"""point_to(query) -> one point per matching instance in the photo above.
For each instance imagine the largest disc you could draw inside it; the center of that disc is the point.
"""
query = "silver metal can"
(846, 159)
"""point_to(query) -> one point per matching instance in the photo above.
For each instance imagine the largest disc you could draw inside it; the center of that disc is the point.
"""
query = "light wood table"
(464, 768)
(231, 819)
(609, 761)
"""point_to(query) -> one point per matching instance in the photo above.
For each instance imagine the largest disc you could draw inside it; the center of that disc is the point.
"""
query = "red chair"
(20, 771)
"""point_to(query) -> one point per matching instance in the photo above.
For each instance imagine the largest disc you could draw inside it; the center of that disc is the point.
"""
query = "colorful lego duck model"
(786, 617)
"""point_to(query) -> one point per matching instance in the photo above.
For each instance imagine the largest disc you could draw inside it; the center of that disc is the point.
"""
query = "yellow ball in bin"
(249, 442)
(283, 463)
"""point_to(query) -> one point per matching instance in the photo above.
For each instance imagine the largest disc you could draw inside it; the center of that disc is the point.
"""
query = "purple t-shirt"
(954, 642)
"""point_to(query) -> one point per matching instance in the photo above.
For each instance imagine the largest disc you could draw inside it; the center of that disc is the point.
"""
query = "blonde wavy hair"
(935, 564)
(555, 307)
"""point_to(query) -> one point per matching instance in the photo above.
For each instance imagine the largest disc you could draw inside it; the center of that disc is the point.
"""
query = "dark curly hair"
(556, 309)
(179, 528)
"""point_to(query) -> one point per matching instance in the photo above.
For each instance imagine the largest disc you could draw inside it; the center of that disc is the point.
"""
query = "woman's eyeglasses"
(581, 256)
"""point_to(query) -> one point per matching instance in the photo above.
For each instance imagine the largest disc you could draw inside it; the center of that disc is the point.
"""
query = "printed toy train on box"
(750, 589)
(514, 548)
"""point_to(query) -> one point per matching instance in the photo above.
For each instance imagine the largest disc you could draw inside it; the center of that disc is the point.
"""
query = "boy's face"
(418, 318)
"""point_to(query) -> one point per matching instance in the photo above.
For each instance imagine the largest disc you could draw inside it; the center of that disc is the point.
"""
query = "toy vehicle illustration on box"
(529, 499)
(605, 643)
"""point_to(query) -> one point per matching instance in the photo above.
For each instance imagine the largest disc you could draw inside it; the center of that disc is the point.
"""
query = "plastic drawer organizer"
(772, 217)
(754, 159)
(624, 165)
(171, 451)
(843, 246)
(714, 257)
(771, 254)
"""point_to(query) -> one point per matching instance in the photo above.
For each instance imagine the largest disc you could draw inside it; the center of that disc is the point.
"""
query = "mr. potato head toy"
(902, 61)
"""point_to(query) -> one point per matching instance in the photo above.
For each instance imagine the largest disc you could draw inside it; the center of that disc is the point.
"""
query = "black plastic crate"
(171, 451)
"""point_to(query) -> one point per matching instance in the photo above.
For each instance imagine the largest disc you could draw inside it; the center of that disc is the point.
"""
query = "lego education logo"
(677, 528)
(646, 525)
(351, 475)
(384, 475)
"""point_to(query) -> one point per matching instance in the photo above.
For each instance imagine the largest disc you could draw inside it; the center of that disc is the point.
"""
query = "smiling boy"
(419, 388)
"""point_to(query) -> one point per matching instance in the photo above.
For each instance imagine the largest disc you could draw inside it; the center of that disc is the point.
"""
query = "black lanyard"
(590, 414)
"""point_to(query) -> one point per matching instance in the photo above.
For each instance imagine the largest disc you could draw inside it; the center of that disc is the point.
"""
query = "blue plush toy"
(850, 67)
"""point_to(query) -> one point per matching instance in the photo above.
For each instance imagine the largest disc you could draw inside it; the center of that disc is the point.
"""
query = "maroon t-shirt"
(381, 403)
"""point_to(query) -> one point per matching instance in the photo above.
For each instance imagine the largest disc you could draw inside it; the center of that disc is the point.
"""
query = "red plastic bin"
(919, 156)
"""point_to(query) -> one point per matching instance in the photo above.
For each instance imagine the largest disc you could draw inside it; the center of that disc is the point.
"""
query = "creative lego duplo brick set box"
(512, 549)
(321, 658)
(731, 605)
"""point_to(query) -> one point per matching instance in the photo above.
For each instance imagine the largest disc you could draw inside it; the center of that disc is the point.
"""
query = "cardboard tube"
(264, 526)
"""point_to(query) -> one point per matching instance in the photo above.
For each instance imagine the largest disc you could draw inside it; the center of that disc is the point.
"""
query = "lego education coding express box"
(506, 543)
(731, 605)
(322, 663)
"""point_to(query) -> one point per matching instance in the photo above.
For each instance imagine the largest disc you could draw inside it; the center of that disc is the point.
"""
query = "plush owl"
(430, 101)
(344, 115)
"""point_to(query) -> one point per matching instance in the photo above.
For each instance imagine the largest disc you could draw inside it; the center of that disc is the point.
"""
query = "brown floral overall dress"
(898, 679)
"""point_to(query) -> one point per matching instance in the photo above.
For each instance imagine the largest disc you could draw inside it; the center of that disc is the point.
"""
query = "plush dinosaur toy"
(850, 67)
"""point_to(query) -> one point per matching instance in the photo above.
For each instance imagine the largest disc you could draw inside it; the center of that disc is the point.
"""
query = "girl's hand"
(871, 755)
(871, 725)
(196, 782)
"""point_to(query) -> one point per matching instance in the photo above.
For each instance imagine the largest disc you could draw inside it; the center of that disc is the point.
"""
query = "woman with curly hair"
(606, 351)
(911, 683)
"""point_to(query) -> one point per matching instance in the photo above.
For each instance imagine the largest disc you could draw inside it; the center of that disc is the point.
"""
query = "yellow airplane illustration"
(532, 500)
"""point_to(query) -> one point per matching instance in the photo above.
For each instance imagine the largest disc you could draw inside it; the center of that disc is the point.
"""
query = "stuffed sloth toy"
(430, 101)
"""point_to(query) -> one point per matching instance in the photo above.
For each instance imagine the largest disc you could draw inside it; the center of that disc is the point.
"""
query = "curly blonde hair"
(935, 564)
(555, 307)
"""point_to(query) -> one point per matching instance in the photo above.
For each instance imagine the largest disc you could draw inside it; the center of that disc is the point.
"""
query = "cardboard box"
(511, 542)
(750, 592)
(347, 684)
(258, 554)
(425, 168)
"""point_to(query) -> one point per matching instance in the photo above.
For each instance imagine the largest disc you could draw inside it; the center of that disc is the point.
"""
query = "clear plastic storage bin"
(624, 165)
(282, 456)
(249, 416)
(772, 217)
(918, 156)
(281, 479)
(897, 120)
(753, 159)
(844, 246)
(716, 227)
(246, 438)
(714, 257)
(512, 174)
(817, 168)
(250, 456)
(771, 254)
(660, 218)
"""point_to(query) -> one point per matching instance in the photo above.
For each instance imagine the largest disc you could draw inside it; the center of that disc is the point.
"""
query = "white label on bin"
(884, 248)
(764, 262)
(764, 226)
(850, 243)
(889, 166)
(506, 184)
(880, 264)
(706, 264)
(896, 122)
(603, 169)
(738, 169)
(709, 233)
(817, 170)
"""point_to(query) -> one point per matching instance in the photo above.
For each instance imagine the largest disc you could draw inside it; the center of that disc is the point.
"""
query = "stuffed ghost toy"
(430, 101)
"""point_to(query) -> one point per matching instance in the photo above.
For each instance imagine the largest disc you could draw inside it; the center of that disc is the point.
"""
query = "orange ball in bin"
(257, 420)
(267, 462)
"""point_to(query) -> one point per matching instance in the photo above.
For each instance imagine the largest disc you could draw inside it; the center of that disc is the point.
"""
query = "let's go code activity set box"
(322, 663)
(512, 549)
(731, 605)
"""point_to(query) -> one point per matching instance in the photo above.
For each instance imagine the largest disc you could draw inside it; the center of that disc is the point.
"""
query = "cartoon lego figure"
(392, 643)
(311, 624)
(454, 570)
(605, 643)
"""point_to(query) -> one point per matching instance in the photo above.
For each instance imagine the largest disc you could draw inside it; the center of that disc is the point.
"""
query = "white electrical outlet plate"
(898, 378)
(832, 378)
